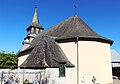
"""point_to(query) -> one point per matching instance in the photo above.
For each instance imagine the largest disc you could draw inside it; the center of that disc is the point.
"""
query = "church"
(67, 53)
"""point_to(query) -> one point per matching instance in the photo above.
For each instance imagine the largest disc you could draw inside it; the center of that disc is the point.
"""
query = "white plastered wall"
(51, 75)
(70, 50)
(21, 59)
(94, 59)
(25, 46)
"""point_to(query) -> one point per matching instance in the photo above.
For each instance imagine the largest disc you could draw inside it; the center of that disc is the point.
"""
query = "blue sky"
(103, 16)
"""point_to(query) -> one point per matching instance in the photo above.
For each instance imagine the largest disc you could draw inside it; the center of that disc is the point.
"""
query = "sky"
(103, 16)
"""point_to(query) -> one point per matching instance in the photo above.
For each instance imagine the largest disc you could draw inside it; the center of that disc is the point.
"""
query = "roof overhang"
(115, 61)
(34, 27)
(25, 52)
(74, 39)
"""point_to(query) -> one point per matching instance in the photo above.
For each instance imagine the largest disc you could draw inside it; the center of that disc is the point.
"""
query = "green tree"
(8, 60)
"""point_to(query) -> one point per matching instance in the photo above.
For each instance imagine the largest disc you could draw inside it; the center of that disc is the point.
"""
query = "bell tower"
(32, 31)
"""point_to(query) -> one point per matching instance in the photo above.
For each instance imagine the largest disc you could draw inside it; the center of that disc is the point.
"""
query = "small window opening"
(62, 68)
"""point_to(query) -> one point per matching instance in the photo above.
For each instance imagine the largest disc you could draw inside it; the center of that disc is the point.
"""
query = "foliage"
(27, 82)
(8, 60)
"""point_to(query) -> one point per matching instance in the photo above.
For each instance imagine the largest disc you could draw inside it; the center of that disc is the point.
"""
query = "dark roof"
(71, 28)
(68, 31)
(45, 54)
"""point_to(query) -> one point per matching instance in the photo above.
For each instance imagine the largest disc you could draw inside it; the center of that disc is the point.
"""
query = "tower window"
(34, 30)
(62, 68)
(39, 31)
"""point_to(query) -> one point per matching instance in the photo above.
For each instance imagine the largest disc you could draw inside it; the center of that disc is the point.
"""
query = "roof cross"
(75, 7)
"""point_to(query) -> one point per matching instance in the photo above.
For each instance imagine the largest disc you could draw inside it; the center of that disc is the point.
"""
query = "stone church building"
(67, 53)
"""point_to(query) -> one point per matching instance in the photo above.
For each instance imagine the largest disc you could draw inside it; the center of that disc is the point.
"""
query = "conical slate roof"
(71, 28)
(35, 21)
(46, 53)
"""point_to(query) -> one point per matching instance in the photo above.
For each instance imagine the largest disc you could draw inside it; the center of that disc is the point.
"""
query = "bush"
(8, 60)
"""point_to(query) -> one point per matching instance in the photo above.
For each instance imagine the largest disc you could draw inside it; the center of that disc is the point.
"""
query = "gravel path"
(116, 81)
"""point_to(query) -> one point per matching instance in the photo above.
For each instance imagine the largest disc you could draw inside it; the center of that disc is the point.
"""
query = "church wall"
(24, 47)
(31, 39)
(95, 60)
(21, 59)
(51, 74)
(70, 50)
(46, 76)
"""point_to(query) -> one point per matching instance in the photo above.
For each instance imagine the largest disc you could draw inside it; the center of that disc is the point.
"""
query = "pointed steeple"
(35, 19)
(35, 24)
(33, 30)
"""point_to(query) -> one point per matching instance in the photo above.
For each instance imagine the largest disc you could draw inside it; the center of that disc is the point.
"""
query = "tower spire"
(35, 19)
(33, 30)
